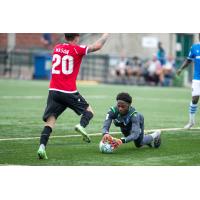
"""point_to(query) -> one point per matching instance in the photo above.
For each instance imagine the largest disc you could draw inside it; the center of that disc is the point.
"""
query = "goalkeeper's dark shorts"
(58, 102)
(127, 131)
(138, 141)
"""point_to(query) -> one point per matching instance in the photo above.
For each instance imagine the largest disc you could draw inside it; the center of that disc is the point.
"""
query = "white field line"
(93, 134)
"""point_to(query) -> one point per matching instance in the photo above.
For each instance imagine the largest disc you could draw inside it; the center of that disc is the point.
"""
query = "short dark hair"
(71, 36)
(124, 97)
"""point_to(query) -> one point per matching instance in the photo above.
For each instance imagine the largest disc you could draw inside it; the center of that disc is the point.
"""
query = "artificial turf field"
(21, 108)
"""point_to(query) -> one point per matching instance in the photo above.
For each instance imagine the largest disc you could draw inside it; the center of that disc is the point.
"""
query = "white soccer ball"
(105, 147)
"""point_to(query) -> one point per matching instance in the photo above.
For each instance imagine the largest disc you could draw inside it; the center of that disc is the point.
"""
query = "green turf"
(20, 116)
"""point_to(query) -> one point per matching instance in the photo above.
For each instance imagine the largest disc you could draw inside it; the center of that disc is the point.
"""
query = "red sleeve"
(81, 49)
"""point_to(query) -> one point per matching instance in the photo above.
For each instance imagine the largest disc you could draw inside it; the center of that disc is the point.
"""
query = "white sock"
(192, 112)
(192, 118)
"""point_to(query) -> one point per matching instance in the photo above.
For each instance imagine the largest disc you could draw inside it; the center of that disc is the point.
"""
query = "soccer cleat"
(82, 131)
(42, 154)
(157, 140)
(189, 125)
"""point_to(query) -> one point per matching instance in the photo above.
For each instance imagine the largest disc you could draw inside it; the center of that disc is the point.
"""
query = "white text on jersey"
(61, 50)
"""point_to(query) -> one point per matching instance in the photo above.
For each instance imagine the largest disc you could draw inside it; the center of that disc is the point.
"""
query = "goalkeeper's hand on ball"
(107, 138)
(115, 142)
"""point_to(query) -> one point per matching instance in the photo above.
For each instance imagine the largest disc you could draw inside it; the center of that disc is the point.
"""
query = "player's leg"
(84, 121)
(79, 105)
(192, 112)
(153, 139)
(49, 125)
(53, 109)
(86, 116)
(193, 104)
(142, 139)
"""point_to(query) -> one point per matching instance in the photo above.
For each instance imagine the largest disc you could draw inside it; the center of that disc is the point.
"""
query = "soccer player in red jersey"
(63, 94)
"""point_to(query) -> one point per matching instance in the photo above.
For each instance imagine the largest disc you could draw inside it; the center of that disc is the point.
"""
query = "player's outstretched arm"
(183, 66)
(99, 43)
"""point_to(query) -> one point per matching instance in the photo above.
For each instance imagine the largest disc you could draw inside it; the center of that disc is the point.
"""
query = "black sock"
(45, 135)
(85, 119)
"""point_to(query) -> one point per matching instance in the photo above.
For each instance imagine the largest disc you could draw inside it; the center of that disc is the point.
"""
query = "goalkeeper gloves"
(107, 138)
(115, 142)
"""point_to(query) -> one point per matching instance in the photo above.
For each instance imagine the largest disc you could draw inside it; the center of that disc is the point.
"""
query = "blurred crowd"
(159, 70)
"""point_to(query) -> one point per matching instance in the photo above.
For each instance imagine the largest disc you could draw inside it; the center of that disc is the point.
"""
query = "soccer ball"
(105, 147)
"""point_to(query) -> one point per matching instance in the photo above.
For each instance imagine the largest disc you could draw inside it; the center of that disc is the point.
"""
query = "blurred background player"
(121, 67)
(66, 61)
(161, 54)
(169, 71)
(131, 124)
(193, 56)
(134, 68)
(46, 40)
(153, 73)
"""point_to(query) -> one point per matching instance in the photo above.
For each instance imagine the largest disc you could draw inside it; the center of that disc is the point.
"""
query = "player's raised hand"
(99, 43)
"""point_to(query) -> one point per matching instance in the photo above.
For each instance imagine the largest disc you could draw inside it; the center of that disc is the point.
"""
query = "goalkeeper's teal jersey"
(120, 120)
(131, 124)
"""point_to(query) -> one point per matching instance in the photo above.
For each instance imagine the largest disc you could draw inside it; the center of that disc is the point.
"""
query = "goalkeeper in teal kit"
(131, 123)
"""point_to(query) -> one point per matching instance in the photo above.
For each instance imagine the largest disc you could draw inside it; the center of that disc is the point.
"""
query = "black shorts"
(57, 102)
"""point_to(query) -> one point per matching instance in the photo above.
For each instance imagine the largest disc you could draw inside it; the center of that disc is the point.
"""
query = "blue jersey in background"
(194, 55)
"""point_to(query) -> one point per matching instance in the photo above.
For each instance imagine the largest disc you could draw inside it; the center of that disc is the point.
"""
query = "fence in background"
(19, 64)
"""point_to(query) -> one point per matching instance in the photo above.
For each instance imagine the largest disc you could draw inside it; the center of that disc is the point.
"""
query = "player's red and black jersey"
(66, 63)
